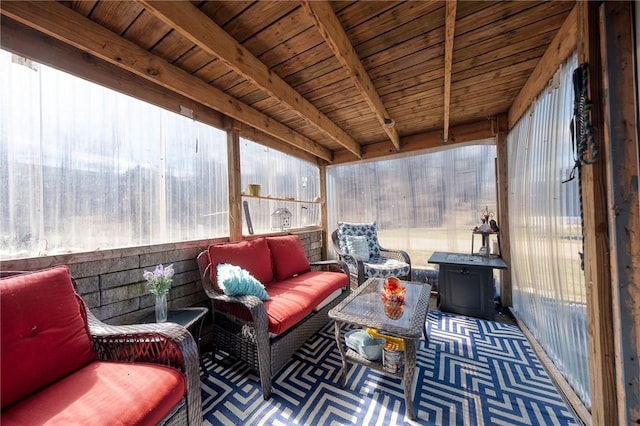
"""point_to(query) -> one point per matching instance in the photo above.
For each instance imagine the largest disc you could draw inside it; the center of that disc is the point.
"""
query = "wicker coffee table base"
(410, 347)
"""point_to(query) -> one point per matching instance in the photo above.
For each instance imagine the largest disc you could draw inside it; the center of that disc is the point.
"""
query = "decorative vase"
(394, 310)
(161, 308)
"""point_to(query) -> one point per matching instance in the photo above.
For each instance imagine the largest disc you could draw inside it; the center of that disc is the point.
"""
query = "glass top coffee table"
(364, 308)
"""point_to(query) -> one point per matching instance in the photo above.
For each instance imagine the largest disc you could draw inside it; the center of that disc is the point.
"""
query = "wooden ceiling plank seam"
(196, 26)
(332, 31)
(84, 7)
(115, 15)
(62, 23)
(450, 28)
(562, 45)
(514, 22)
(146, 31)
(375, 34)
(527, 34)
(353, 13)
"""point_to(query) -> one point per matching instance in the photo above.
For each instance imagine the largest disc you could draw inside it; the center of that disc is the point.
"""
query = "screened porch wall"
(546, 231)
(421, 203)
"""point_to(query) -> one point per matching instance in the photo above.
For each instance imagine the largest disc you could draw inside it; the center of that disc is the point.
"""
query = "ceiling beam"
(332, 31)
(449, 28)
(481, 132)
(62, 23)
(197, 27)
(562, 45)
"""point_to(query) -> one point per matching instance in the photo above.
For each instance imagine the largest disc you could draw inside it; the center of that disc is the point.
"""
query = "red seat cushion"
(252, 255)
(43, 332)
(293, 299)
(289, 257)
(103, 393)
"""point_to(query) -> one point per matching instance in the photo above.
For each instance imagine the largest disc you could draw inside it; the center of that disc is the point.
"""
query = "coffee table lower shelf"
(355, 358)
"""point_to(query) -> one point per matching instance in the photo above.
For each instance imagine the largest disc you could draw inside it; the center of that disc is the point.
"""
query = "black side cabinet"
(466, 284)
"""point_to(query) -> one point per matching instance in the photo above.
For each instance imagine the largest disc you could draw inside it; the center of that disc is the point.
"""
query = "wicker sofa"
(61, 365)
(265, 334)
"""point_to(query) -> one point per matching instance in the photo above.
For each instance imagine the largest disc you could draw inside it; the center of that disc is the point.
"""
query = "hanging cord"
(582, 135)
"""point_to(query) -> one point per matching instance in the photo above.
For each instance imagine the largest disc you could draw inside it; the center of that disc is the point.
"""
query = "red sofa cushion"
(103, 393)
(289, 257)
(252, 255)
(43, 332)
(293, 299)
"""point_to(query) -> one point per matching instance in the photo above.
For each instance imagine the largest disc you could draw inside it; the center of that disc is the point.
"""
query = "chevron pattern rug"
(471, 372)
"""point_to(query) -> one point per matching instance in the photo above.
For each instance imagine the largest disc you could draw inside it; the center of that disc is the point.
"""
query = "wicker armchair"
(360, 271)
(249, 340)
(166, 343)
(161, 343)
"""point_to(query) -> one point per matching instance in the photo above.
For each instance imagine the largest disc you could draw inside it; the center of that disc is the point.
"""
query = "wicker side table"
(364, 308)
(190, 318)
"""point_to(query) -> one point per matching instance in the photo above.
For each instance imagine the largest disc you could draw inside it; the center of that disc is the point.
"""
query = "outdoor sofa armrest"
(333, 265)
(161, 343)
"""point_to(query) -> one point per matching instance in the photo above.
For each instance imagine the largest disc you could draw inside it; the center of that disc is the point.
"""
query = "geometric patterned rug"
(472, 372)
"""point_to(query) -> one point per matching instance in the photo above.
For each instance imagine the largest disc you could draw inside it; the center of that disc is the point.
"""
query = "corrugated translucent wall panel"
(295, 182)
(421, 203)
(546, 233)
(86, 168)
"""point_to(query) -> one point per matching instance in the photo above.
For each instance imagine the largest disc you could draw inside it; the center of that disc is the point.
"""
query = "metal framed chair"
(381, 262)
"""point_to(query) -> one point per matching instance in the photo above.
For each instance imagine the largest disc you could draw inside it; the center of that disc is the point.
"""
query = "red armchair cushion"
(289, 257)
(252, 255)
(43, 332)
(142, 393)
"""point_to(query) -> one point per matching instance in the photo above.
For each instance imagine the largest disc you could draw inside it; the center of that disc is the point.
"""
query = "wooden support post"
(621, 146)
(595, 234)
(322, 169)
(502, 177)
(235, 182)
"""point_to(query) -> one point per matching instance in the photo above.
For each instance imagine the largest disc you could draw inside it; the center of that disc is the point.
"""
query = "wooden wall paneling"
(595, 233)
(621, 142)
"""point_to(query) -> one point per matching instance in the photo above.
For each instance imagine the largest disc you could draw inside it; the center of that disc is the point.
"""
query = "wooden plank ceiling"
(336, 81)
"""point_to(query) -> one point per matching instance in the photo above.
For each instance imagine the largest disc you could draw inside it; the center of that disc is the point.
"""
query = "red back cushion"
(253, 256)
(289, 257)
(43, 332)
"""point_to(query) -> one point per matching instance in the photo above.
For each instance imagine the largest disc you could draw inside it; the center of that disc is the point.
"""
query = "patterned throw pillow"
(359, 229)
(235, 281)
(357, 245)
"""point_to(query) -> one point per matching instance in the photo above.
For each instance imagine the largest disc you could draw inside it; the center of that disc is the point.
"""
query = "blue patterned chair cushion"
(368, 230)
(382, 267)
